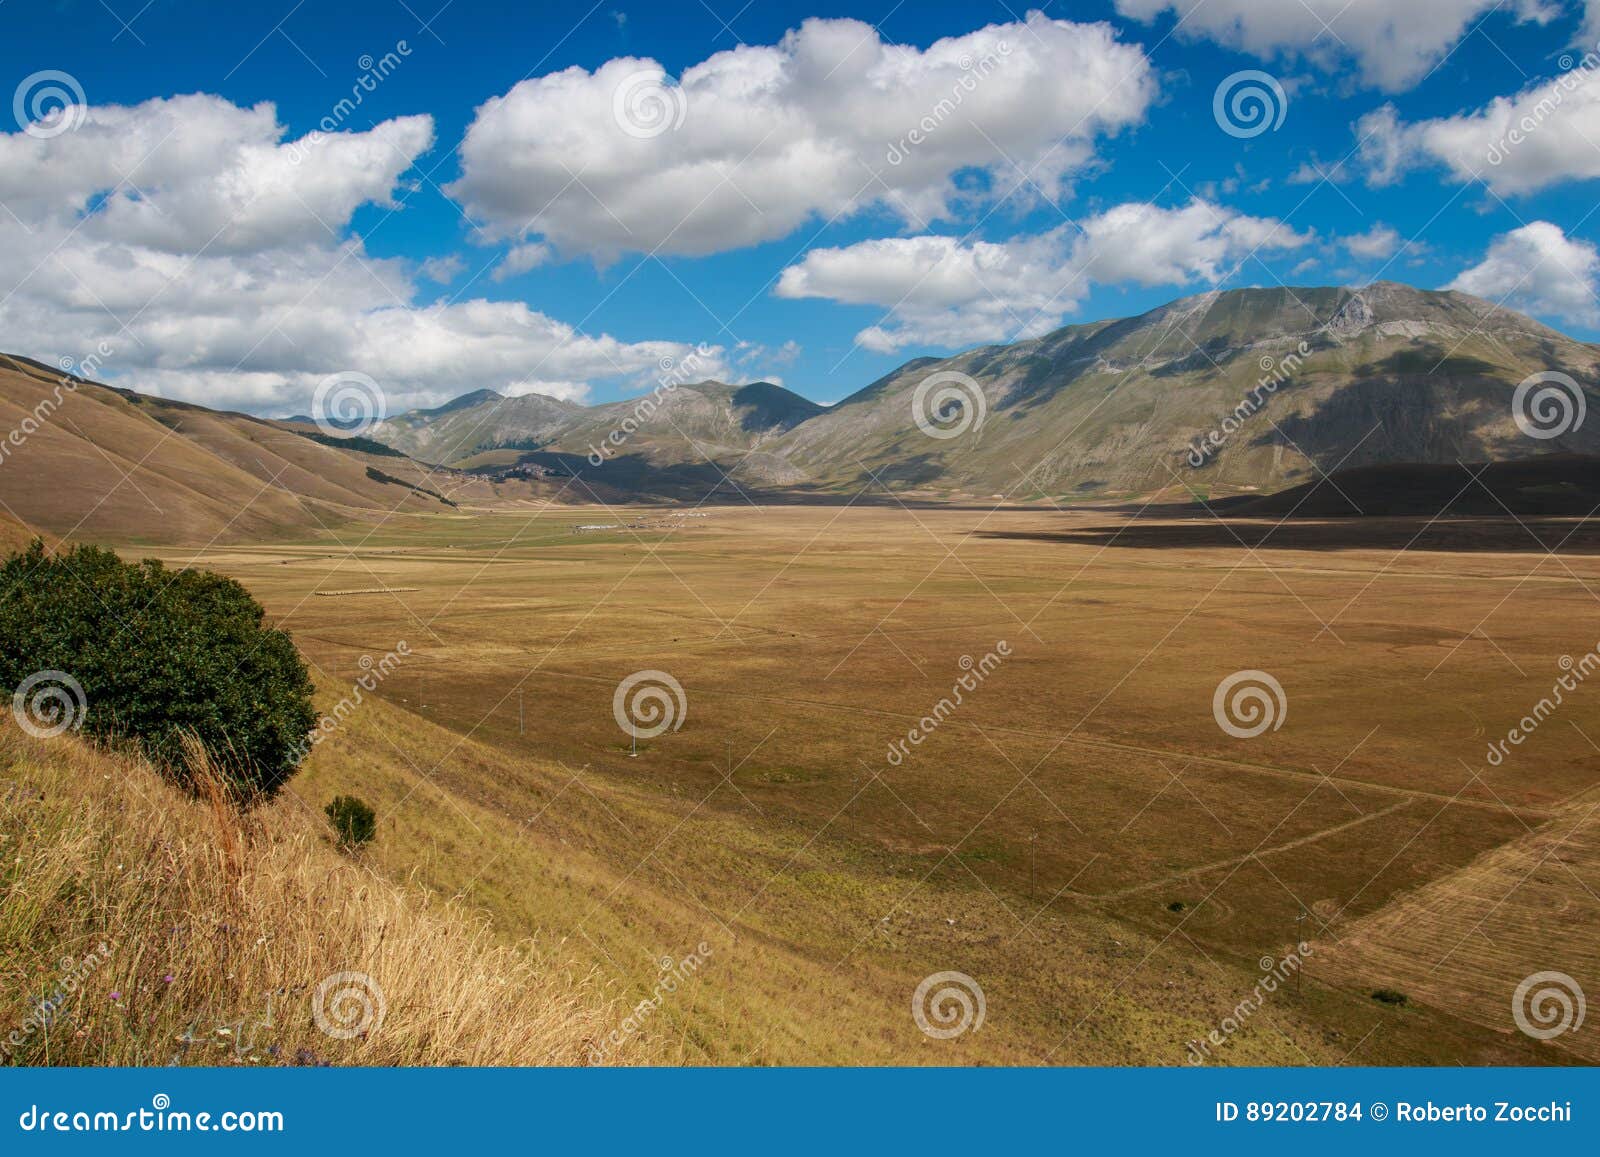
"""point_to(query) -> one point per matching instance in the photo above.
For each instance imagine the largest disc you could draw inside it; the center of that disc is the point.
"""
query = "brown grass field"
(1079, 835)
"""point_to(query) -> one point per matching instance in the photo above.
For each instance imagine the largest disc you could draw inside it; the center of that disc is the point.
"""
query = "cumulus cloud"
(942, 291)
(1517, 144)
(213, 258)
(520, 259)
(1395, 44)
(755, 141)
(1378, 242)
(1540, 270)
(443, 270)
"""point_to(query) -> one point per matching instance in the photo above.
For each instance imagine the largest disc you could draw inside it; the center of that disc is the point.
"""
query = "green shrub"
(352, 819)
(159, 655)
(1389, 996)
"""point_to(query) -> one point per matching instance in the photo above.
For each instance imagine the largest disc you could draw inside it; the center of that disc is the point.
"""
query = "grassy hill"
(169, 930)
(1386, 374)
(97, 462)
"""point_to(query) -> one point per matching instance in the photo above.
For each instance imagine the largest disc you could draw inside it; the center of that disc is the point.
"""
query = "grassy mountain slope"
(14, 535)
(686, 426)
(193, 937)
(481, 420)
(1388, 374)
(93, 461)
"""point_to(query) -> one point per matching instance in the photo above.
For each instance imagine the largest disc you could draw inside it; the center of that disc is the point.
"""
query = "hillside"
(93, 461)
(671, 441)
(1384, 374)
(14, 535)
(1391, 374)
(168, 931)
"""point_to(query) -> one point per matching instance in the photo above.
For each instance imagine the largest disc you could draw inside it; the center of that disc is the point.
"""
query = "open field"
(1079, 834)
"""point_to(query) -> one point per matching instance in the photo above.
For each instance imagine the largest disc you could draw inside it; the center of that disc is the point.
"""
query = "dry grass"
(173, 930)
(1113, 903)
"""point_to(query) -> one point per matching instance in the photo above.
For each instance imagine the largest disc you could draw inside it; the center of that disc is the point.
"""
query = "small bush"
(163, 658)
(354, 821)
(1389, 996)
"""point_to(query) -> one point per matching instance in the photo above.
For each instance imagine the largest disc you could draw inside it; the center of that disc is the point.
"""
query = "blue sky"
(1083, 173)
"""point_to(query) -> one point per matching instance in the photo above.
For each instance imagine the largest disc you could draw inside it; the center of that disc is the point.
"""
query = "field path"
(1235, 861)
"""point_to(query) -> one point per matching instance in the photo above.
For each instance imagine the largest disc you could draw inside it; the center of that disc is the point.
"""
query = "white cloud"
(1546, 134)
(442, 270)
(755, 141)
(1395, 42)
(943, 292)
(214, 260)
(1589, 28)
(1540, 270)
(520, 259)
(1378, 242)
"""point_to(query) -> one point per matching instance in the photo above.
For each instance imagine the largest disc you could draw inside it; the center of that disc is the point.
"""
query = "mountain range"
(1235, 392)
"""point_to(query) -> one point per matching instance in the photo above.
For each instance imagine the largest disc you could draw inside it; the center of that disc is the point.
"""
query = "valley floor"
(1078, 836)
